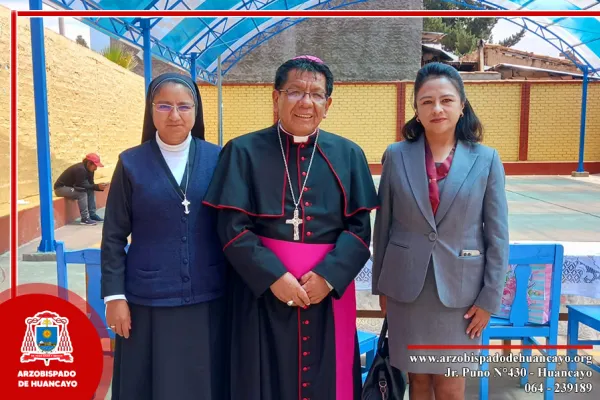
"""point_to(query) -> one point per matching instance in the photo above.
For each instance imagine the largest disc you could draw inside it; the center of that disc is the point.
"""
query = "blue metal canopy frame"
(209, 47)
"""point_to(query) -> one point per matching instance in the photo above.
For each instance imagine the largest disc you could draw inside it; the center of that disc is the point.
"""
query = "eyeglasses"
(297, 95)
(167, 108)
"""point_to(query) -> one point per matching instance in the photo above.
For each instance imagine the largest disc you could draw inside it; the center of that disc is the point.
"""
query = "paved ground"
(541, 208)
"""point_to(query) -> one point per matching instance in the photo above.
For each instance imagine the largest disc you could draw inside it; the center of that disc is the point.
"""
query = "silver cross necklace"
(185, 201)
(296, 221)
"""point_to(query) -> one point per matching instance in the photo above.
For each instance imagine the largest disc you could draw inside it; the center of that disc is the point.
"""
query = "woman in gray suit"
(441, 236)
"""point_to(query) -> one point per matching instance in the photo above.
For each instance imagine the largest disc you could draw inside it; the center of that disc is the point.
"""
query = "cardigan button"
(187, 299)
(433, 236)
(184, 239)
(185, 260)
(183, 219)
(185, 279)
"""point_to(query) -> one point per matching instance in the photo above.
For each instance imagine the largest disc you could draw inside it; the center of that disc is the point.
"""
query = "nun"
(164, 295)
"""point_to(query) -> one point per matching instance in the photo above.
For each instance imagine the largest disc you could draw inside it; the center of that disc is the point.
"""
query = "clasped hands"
(310, 289)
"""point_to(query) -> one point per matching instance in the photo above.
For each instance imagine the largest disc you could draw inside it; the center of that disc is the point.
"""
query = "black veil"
(149, 130)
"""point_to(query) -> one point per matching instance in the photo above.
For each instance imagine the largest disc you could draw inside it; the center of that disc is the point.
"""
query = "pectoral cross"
(296, 221)
(186, 203)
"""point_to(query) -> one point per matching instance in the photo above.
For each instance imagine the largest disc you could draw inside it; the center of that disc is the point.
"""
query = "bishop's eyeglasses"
(297, 95)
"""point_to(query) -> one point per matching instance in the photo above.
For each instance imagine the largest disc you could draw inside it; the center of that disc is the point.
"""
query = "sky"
(73, 27)
(97, 40)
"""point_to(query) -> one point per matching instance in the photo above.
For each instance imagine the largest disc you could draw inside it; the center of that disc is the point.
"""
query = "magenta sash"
(300, 258)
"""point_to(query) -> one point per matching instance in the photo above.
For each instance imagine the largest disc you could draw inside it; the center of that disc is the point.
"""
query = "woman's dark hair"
(304, 63)
(468, 128)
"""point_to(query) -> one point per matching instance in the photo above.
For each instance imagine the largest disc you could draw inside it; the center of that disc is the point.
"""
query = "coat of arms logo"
(46, 339)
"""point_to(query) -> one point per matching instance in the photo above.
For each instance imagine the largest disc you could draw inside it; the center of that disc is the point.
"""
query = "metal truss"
(132, 33)
(273, 30)
(539, 30)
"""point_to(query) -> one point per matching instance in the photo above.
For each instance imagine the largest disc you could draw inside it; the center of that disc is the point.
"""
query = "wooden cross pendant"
(186, 203)
(296, 221)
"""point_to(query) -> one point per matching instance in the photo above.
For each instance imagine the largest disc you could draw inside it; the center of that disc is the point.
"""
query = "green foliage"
(462, 34)
(513, 39)
(117, 54)
(81, 41)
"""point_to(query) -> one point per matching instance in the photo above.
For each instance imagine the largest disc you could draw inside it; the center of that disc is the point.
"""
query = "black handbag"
(383, 382)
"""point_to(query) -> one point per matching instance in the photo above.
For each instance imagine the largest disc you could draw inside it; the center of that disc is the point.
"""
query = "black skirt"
(173, 353)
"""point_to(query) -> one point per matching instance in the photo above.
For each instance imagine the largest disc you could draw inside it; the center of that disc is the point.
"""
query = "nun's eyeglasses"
(167, 108)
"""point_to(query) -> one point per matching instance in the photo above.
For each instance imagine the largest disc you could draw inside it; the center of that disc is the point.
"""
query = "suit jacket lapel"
(461, 166)
(414, 164)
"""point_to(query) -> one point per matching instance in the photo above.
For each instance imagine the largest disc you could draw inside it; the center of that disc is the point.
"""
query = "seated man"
(77, 182)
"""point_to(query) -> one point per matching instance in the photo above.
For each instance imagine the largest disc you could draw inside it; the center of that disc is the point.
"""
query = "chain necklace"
(296, 221)
(185, 201)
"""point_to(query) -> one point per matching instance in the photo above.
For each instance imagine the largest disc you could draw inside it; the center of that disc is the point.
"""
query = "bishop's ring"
(290, 303)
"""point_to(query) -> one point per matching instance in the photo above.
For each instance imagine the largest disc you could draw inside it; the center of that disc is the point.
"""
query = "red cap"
(95, 158)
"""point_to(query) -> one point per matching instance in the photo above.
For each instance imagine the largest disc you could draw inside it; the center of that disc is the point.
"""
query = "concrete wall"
(356, 49)
(94, 105)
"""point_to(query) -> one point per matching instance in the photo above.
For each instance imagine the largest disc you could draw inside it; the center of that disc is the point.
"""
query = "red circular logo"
(51, 346)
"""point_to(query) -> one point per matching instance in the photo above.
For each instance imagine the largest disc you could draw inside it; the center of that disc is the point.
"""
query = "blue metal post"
(193, 56)
(38, 56)
(145, 23)
(583, 111)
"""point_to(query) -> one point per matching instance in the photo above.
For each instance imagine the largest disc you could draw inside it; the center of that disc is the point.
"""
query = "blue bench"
(90, 258)
(583, 314)
(367, 344)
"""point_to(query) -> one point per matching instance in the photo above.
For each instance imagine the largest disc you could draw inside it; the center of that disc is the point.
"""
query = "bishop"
(293, 315)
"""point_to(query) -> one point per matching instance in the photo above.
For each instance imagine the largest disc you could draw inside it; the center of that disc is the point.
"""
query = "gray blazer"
(472, 215)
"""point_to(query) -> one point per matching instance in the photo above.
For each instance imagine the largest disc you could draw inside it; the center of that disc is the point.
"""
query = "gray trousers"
(85, 200)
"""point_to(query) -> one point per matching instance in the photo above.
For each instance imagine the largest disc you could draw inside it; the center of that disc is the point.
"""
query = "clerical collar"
(297, 139)
(174, 147)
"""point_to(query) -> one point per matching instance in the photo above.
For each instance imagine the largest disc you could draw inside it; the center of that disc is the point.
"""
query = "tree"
(462, 34)
(80, 40)
(513, 39)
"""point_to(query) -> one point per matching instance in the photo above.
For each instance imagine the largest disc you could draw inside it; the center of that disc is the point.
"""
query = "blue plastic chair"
(517, 325)
(589, 315)
(367, 344)
(91, 259)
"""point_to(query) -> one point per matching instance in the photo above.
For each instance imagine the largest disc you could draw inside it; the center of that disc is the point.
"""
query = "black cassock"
(280, 352)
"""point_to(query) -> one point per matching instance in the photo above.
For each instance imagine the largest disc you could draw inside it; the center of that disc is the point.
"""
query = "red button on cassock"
(306, 322)
(303, 173)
